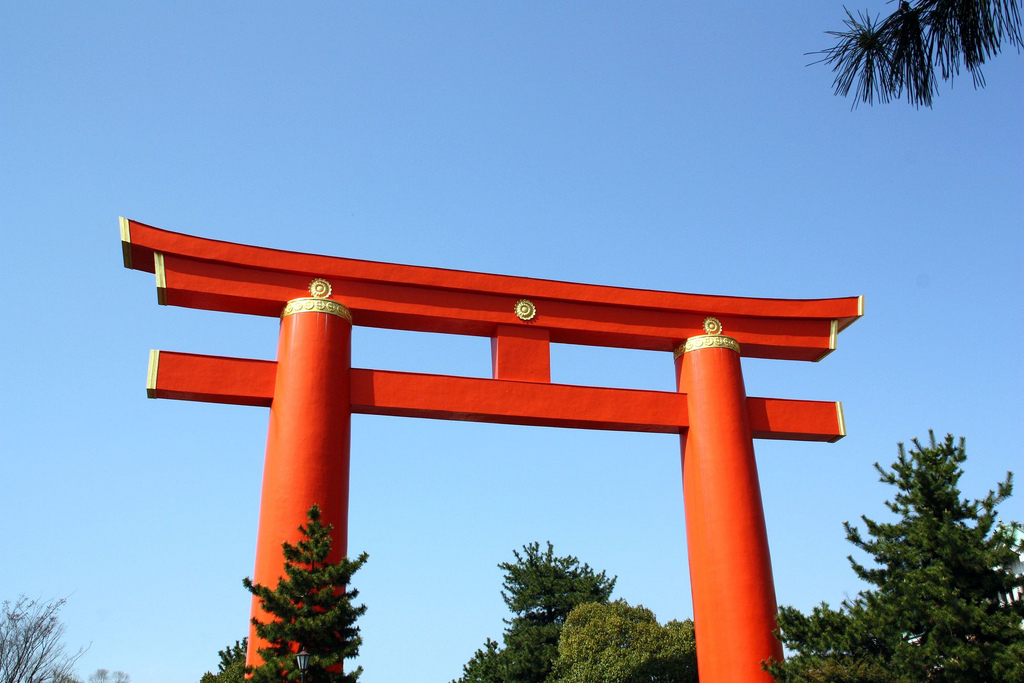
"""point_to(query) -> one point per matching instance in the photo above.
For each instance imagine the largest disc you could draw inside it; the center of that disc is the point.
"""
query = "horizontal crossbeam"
(207, 274)
(240, 381)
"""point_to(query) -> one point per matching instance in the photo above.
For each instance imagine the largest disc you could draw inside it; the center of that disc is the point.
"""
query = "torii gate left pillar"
(312, 391)
(308, 438)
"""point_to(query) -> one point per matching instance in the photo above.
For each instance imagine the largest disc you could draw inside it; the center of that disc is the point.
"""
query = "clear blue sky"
(655, 145)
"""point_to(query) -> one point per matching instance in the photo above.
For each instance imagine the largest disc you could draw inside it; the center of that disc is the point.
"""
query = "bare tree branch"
(31, 643)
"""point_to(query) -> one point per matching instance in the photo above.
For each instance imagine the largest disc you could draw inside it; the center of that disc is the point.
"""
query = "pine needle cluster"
(904, 53)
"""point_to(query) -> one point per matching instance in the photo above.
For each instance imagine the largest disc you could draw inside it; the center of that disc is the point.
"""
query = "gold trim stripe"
(706, 341)
(842, 422)
(315, 305)
(154, 368)
(833, 337)
(161, 278)
(126, 241)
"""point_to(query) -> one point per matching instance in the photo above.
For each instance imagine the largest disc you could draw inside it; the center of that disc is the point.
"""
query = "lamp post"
(302, 660)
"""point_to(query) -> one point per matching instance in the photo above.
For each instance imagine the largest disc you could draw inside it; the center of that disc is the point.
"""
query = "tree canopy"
(899, 55)
(936, 609)
(617, 643)
(313, 608)
(540, 589)
(231, 668)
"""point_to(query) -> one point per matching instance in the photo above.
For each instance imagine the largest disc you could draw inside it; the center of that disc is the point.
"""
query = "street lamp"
(302, 660)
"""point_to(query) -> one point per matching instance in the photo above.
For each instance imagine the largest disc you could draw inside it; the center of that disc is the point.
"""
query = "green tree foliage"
(900, 54)
(540, 590)
(617, 643)
(312, 609)
(490, 664)
(232, 664)
(935, 611)
(32, 646)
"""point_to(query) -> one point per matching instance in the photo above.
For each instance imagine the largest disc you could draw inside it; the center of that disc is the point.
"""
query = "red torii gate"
(307, 456)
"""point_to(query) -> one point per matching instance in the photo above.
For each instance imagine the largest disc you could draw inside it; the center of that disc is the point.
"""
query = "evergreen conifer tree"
(940, 573)
(312, 608)
(540, 589)
(232, 664)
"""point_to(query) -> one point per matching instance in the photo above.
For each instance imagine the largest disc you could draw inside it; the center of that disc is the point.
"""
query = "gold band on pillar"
(308, 304)
(712, 340)
(318, 302)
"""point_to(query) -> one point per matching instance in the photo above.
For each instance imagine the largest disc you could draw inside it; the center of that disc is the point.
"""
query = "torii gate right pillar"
(734, 604)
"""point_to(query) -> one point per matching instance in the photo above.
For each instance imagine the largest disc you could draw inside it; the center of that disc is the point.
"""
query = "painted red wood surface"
(727, 543)
(240, 381)
(213, 275)
(307, 457)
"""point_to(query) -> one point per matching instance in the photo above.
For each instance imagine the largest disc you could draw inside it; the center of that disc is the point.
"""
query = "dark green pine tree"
(488, 665)
(940, 573)
(540, 590)
(313, 610)
(232, 664)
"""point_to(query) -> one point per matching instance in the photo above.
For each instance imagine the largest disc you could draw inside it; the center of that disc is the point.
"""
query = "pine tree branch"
(883, 59)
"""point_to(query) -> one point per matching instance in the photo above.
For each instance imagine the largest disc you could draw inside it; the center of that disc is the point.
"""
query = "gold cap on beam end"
(161, 278)
(151, 373)
(126, 241)
(841, 422)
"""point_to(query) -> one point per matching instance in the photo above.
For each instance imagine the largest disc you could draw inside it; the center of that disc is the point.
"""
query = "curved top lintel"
(211, 274)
